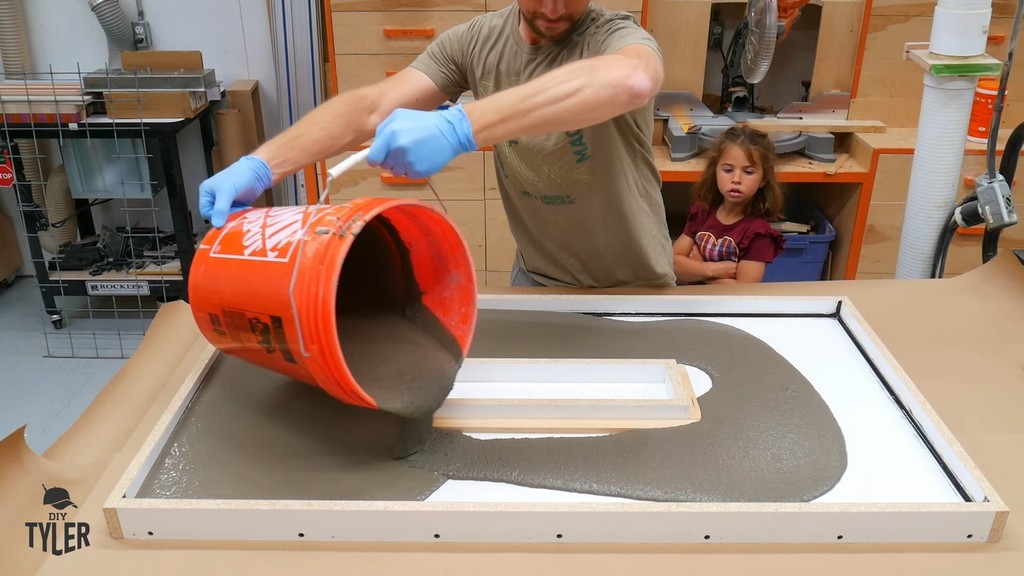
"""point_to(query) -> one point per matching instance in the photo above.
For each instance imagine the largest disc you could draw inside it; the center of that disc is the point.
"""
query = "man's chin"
(549, 36)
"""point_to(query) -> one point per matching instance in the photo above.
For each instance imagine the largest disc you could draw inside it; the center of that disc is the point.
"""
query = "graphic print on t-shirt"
(715, 250)
(559, 159)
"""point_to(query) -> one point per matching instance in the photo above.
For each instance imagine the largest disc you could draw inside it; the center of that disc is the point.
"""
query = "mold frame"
(571, 415)
(980, 520)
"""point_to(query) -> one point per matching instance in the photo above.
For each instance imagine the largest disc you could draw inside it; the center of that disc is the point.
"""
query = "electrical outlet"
(140, 32)
(716, 33)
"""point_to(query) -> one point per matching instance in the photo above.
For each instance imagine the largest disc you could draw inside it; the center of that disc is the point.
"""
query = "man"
(563, 90)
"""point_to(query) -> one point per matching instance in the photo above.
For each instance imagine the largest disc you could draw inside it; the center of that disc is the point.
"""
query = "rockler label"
(271, 234)
(117, 288)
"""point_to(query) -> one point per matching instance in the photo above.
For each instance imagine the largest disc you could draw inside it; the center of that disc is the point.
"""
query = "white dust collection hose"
(17, 62)
(60, 211)
(935, 174)
(117, 28)
(941, 135)
(960, 27)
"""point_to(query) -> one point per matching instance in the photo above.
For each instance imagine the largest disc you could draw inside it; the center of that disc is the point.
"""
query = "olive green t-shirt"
(584, 206)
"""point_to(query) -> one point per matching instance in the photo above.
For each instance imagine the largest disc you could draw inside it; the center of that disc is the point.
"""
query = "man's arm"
(347, 120)
(577, 95)
(336, 125)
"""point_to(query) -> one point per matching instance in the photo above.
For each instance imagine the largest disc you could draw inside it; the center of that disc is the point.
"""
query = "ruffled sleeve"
(765, 243)
(695, 220)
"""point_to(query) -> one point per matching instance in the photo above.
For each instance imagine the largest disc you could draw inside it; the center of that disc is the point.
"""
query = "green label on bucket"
(263, 234)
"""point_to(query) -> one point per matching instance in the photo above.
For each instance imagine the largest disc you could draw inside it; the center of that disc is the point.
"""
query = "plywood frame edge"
(192, 369)
(583, 522)
(981, 490)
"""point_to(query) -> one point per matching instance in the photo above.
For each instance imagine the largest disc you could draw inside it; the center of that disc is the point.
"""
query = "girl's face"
(738, 178)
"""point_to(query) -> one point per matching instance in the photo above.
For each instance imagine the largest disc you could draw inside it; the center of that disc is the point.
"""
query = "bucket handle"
(336, 171)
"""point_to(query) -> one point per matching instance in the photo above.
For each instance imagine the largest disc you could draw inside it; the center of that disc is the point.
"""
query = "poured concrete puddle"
(765, 435)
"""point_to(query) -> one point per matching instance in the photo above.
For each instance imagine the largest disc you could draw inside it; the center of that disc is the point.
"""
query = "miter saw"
(692, 126)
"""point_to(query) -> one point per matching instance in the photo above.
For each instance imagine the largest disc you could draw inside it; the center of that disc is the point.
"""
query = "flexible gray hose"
(117, 28)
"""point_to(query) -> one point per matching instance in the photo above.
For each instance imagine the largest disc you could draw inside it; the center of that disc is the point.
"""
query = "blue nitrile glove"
(418, 144)
(233, 188)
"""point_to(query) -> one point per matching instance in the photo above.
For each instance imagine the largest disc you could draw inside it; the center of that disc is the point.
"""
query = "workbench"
(974, 383)
(160, 143)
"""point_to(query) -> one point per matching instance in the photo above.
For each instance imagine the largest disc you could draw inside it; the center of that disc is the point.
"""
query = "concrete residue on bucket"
(397, 350)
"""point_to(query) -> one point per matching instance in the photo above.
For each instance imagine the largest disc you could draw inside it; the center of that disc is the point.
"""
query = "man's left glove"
(418, 144)
(233, 188)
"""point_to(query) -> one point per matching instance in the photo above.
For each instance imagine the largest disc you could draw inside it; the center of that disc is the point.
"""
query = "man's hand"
(419, 144)
(233, 188)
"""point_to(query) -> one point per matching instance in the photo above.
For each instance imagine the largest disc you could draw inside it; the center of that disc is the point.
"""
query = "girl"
(728, 236)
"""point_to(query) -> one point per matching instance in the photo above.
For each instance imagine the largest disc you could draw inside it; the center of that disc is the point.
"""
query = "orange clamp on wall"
(408, 32)
(392, 180)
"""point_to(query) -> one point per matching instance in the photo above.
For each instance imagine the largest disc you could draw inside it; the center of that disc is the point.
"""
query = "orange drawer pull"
(408, 32)
(969, 182)
(392, 180)
(390, 73)
(972, 231)
(996, 38)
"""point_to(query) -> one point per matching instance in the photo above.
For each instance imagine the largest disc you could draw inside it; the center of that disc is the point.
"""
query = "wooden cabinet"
(889, 88)
(371, 39)
(884, 221)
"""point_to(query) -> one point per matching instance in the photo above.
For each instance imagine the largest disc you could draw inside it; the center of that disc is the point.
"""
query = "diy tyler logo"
(58, 536)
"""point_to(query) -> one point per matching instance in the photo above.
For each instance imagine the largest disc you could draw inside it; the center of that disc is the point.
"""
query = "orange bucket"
(983, 109)
(269, 285)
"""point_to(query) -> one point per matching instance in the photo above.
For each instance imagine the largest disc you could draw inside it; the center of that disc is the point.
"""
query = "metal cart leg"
(34, 218)
(180, 215)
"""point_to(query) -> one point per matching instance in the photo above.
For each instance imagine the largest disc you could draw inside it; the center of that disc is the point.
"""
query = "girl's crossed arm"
(689, 269)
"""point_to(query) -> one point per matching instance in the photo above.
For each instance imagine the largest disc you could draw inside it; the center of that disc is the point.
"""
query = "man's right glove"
(233, 188)
(418, 144)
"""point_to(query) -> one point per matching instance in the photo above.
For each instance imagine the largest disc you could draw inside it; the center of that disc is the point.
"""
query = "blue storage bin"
(804, 256)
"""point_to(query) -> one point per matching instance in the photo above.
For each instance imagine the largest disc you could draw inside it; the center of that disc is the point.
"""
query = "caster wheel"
(57, 320)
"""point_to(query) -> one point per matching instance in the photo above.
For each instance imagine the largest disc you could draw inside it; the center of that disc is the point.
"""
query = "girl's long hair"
(759, 149)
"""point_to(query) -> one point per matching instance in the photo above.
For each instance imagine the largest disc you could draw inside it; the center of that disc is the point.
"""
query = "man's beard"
(531, 23)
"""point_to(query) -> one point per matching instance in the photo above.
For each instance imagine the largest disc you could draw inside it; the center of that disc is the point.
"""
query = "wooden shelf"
(79, 275)
(791, 168)
(939, 65)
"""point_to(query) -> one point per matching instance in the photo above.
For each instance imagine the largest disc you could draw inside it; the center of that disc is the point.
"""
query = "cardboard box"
(166, 60)
(157, 104)
(244, 95)
(10, 255)
(129, 105)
